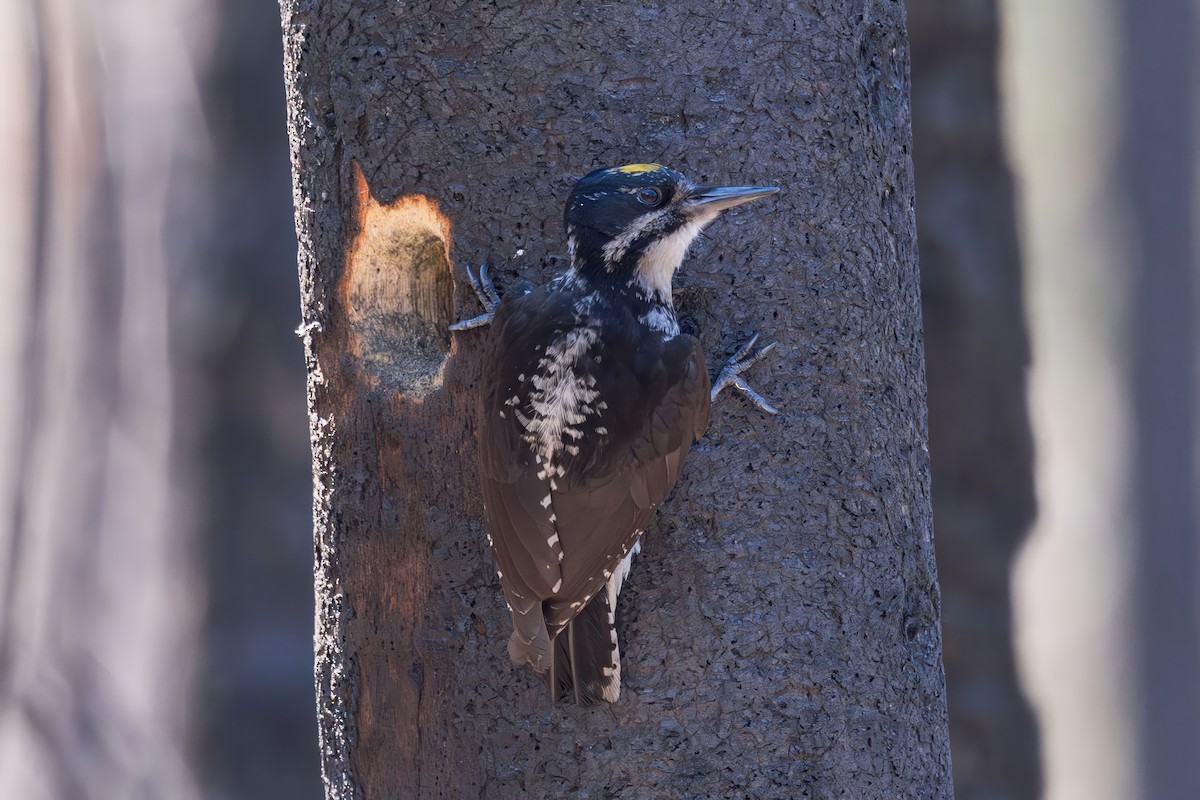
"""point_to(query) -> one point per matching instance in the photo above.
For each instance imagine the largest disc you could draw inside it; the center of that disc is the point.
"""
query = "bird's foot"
(739, 362)
(485, 290)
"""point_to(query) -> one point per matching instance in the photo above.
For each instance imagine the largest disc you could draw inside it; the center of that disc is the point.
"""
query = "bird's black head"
(632, 225)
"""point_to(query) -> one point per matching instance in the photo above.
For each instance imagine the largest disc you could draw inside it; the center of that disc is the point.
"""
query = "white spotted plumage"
(612, 690)
(561, 399)
(662, 319)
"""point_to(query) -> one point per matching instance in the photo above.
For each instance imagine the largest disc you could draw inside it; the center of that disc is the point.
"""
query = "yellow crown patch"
(634, 169)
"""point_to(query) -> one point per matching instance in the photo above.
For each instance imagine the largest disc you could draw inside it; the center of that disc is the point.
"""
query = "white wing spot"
(546, 501)
(553, 540)
(557, 585)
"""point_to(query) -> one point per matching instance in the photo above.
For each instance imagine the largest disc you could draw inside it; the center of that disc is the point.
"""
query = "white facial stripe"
(614, 251)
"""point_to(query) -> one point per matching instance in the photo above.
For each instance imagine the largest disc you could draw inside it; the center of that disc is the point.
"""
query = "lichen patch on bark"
(398, 290)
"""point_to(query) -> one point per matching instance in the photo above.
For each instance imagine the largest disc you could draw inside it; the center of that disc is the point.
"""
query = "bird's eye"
(649, 196)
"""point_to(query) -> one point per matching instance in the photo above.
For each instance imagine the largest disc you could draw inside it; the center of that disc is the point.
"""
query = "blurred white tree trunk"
(96, 593)
(1103, 102)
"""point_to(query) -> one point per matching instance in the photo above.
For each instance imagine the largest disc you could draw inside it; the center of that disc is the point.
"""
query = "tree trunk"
(97, 633)
(780, 633)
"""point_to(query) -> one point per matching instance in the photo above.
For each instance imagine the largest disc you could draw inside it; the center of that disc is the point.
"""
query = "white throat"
(657, 264)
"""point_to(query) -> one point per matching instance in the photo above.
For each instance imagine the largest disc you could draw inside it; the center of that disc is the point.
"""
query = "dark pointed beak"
(714, 199)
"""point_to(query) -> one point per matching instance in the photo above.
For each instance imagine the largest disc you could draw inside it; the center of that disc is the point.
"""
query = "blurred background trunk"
(156, 555)
(977, 354)
(97, 582)
(245, 374)
(1102, 120)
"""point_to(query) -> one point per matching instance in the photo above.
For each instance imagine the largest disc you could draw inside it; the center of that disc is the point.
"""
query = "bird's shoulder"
(581, 378)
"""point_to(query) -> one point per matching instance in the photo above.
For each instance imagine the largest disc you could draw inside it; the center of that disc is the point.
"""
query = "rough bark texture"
(781, 632)
(96, 592)
(977, 352)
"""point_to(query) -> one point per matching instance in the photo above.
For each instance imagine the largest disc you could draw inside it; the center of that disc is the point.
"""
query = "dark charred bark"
(781, 631)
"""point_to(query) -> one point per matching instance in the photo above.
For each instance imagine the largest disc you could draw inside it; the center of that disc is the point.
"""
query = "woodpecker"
(591, 401)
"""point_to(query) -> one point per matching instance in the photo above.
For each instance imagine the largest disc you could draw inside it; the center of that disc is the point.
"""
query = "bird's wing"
(556, 535)
(660, 406)
(516, 493)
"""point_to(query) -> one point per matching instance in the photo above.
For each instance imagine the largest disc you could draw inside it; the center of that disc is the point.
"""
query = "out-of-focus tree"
(256, 735)
(97, 631)
(977, 353)
(1104, 104)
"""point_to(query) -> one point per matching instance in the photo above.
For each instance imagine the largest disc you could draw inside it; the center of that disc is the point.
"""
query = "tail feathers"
(530, 642)
(587, 662)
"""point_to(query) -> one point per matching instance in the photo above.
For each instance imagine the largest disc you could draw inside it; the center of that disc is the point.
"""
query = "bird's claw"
(739, 362)
(485, 290)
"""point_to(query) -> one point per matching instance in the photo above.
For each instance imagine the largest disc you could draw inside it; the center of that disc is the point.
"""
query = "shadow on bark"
(977, 353)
